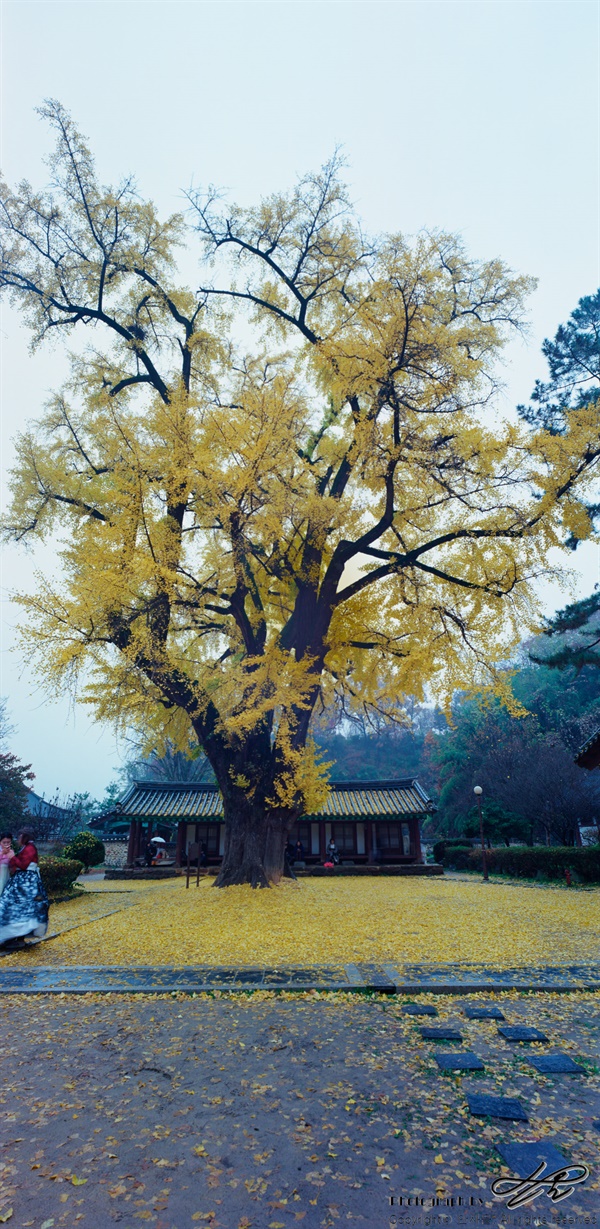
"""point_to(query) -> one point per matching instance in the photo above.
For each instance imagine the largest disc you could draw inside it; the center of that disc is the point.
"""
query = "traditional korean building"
(48, 819)
(370, 821)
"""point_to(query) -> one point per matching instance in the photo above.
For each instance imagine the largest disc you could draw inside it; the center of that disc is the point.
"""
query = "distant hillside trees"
(14, 776)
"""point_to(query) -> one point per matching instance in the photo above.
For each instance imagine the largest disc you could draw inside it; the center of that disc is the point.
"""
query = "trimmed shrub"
(535, 861)
(87, 848)
(457, 857)
(449, 842)
(59, 874)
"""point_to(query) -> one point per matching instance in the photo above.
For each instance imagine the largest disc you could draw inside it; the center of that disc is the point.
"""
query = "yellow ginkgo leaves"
(312, 922)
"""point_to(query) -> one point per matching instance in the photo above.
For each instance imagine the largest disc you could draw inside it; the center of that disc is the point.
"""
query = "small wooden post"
(193, 851)
(181, 836)
(131, 843)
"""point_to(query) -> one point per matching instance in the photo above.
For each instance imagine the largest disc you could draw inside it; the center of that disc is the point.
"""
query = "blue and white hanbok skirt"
(24, 905)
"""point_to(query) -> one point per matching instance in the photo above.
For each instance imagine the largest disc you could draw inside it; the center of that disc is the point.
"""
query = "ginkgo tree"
(331, 510)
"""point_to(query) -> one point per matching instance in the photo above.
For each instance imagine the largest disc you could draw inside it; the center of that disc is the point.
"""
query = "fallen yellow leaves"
(255, 1184)
(333, 922)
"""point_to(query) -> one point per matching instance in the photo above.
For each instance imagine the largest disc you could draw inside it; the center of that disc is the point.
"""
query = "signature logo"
(558, 1185)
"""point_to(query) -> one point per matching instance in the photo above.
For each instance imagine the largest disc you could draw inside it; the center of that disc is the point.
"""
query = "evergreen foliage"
(573, 358)
(59, 874)
(87, 848)
(539, 861)
(571, 637)
(498, 824)
(14, 776)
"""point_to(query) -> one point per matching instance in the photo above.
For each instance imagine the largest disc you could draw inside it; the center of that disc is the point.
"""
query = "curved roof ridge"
(400, 796)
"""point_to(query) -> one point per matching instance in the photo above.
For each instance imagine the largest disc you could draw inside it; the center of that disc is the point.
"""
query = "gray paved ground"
(273, 1112)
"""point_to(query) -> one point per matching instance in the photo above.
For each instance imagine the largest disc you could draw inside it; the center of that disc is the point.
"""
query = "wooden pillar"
(138, 837)
(369, 840)
(131, 843)
(415, 839)
(322, 841)
(180, 849)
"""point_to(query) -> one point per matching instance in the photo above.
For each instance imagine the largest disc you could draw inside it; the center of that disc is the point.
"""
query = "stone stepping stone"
(459, 1061)
(440, 1034)
(524, 1159)
(484, 1013)
(418, 1009)
(484, 1106)
(372, 978)
(520, 1032)
(561, 1064)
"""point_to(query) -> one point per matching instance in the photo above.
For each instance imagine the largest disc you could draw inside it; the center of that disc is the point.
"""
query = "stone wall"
(116, 853)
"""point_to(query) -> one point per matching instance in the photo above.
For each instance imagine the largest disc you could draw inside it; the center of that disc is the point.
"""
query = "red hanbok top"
(24, 857)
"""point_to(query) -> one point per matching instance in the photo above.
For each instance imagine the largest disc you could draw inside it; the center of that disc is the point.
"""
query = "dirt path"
(272, 1112)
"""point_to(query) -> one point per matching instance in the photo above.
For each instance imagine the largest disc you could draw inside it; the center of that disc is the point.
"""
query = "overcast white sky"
(476, 117)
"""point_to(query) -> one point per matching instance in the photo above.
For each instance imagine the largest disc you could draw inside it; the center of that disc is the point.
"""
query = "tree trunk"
(255, 839)
(246, 827)
(279, 824)
(255, 833)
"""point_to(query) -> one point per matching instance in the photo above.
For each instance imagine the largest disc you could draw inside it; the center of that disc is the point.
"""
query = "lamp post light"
(478, 792)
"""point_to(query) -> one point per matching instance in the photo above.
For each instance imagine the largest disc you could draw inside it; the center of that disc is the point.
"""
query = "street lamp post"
(478, 792)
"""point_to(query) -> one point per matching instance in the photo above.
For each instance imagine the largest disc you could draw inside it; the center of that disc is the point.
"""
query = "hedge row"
(59, 874)
(536, 860)
(445, 850)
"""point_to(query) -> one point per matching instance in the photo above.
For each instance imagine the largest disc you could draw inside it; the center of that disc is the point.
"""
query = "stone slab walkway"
(381, 979)
(272, 1113)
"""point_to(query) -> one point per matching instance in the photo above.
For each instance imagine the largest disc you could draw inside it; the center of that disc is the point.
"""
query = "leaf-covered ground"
(265, 1112)
(316, 922)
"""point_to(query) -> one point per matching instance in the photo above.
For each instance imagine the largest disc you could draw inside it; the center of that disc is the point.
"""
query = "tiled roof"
(43, 809)
(347, 799)
(169, 801)
(588, 755)
(372, 798)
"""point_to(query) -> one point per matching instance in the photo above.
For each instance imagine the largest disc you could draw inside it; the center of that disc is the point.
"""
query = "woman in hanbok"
(24, 903)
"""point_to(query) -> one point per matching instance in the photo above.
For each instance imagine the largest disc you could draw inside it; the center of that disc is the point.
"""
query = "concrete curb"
(351, 978)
